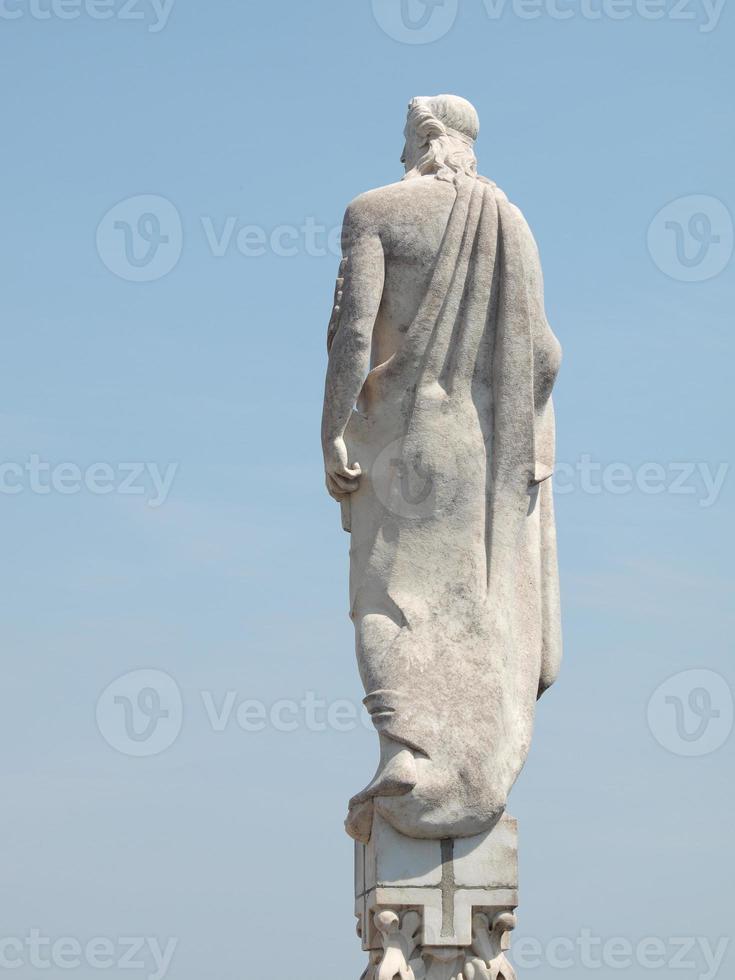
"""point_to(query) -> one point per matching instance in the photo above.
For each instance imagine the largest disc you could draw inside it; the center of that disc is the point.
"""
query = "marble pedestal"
(437, 910)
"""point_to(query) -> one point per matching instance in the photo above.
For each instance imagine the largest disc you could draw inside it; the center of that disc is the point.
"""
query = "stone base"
(437, 910)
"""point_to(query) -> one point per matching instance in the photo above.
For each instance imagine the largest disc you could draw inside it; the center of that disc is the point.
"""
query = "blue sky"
(185, 529)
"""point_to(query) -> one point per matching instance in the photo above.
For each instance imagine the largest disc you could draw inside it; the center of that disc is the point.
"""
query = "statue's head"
(440, 136)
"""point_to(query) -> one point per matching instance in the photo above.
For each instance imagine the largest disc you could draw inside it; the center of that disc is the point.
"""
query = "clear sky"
(176, 347)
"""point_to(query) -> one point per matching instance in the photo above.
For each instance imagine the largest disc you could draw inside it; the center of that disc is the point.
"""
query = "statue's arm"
(349, 355)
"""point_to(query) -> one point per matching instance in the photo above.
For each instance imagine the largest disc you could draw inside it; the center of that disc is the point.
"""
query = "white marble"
(438, 439)
(424, 903)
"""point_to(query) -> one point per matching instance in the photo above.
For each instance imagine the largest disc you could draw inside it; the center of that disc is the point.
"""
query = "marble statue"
(438, 440)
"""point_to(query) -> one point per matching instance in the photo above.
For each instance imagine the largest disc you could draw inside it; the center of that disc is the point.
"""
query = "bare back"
(411, 218)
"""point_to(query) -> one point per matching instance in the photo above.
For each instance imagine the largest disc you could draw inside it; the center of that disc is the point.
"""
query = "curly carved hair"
(447, 126)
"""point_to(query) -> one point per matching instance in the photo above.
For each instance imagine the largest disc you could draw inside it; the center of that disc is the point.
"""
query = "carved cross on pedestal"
(437, 910)
(448, 888)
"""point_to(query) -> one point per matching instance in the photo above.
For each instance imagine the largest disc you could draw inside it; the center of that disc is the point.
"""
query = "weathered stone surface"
(438, 438)
(449, 879)
(437, 909)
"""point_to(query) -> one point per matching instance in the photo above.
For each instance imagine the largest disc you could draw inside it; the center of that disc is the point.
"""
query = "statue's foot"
(359, 822)
(396, 776)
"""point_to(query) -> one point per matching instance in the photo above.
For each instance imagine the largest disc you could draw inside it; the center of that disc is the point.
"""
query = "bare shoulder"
(379, 208)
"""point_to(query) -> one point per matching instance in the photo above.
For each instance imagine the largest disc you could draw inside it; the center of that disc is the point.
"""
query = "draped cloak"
(453, 571)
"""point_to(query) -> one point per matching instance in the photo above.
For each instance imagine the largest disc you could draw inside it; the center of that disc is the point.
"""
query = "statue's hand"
(341, 477)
